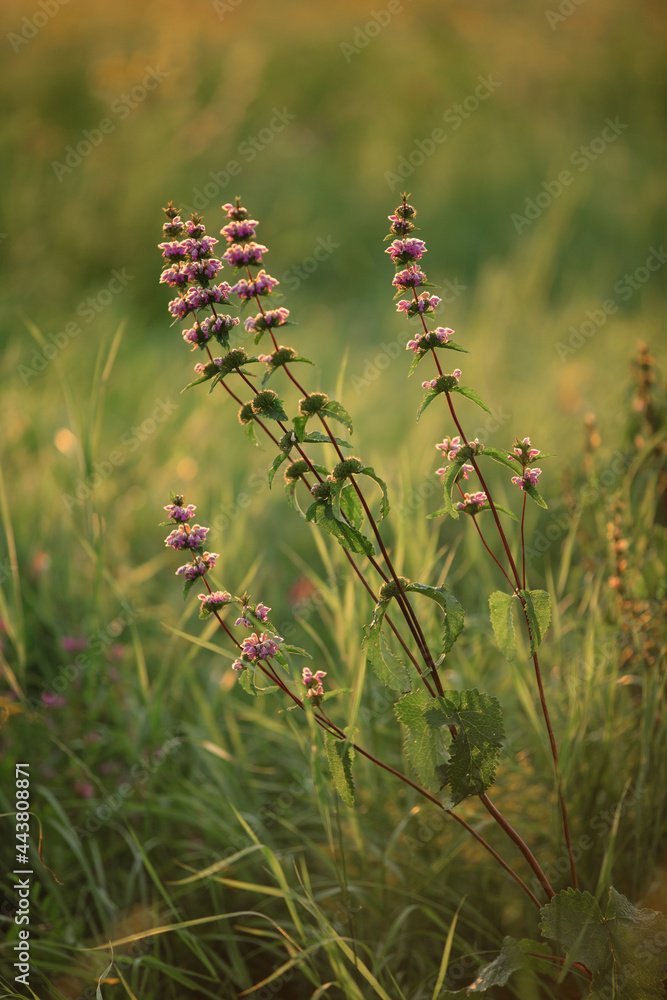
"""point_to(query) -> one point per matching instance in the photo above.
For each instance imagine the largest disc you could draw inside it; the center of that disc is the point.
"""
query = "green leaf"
(349, 506)
(338, 412)
(530, 489)
(449, 479)
(538, 611)
(246, 681)
(451, 346)
(346, 534)
(501, 456)
(389, 668)
(269, 408)
(500, 606)
(296, 650)
(384, 502)
(469, 393)
(340, 755)
(250, 431)
(474, 754)
(317, 437)
(202, 378)
(503, 510)
(625, 948)
(277, 462)
(300, 425)
(187, 587)
(424, 748)
(513, 956)
(427, 400)
(453, 622)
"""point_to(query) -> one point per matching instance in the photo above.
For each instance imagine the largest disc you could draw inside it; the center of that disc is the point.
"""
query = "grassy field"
(169, 801)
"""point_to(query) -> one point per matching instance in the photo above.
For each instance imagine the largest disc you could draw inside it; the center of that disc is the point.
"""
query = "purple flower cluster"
(424, 304)
(244, 254)
(406, 251)
(450, 447)
(200, 567)
(523, 452)
(214, 601)
(190, 268)
(267, 320)
(313, 682)
(239, 230)
(411, 277)
(212, 326)
(178, 512)
(262, 285)
(186, 537)
(456, 374)
(529, 478)
(472, 503)
(260, 647)
(423, 341)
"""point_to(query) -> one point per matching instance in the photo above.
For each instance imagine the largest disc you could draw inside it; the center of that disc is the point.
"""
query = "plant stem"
(520, 843)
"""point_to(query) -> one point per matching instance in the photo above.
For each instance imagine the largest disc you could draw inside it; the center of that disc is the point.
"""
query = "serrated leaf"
(530, 489)
(296, 650)
(346, 534)
(317, 437)
(502, 622)
(513, 956)
(250, 431)
(334, 694)
(501, 457)
(451, 346)
(202, 378)
(415, 361)
(384, 502)
(424, 746)
(474, 754)
(503, 510)
(427, 400)
(469, 393)
(625, 948)
(338, 412)
(273, 411)
(349, 506)
(389, 668)
(538, 611)
(277, 462)
(453, 621)
(448, 481)
(340, 754)
(187, 587)
(299, 424)
(246, 682)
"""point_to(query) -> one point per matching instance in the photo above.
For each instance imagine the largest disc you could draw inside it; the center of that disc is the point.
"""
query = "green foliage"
(340, 754)
(538, 612)
(625, 948)
(322, 513)
(465, 390)
(338, 412)
(454, 615)
(389, 668)
(424, 747)
(502, 622)
(475, 750)
(514, 955)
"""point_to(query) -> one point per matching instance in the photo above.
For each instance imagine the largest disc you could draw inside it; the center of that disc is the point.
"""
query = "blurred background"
(531, 140)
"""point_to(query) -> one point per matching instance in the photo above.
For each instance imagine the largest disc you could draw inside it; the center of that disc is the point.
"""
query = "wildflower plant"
(453, 739)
